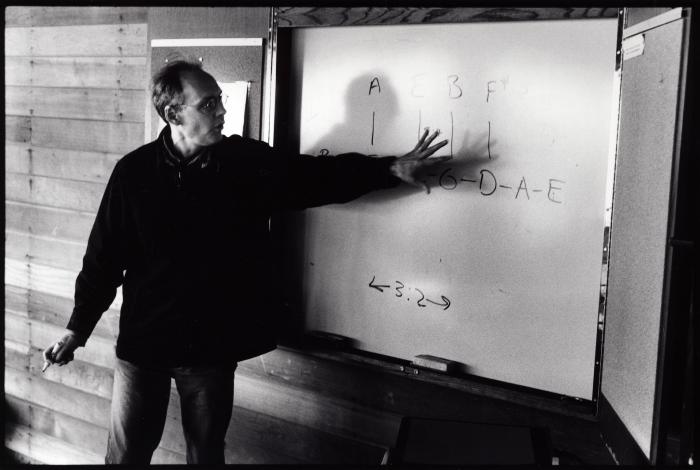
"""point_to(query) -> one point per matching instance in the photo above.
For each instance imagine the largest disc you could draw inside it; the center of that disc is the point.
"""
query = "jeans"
(140, 405)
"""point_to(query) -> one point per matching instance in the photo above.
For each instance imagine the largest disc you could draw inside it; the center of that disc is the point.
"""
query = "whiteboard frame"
(287, 18)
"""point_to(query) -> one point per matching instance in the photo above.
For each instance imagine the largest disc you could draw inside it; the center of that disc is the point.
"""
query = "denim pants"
(140, 405)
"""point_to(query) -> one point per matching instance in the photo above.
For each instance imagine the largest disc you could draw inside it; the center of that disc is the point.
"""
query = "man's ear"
(171, 115)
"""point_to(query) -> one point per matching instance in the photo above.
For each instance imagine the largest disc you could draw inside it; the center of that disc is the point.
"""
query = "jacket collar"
(172, 156)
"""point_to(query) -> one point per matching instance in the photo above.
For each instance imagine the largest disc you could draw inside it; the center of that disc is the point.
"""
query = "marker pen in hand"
(50, 357)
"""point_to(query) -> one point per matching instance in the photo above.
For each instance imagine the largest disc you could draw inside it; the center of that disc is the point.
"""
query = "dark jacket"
(189, 241)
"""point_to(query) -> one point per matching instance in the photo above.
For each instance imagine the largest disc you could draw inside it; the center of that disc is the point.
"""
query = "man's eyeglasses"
(210, 105)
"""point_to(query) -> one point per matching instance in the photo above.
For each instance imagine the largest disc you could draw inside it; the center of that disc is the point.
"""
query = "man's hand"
(409, 167)
(61, 352)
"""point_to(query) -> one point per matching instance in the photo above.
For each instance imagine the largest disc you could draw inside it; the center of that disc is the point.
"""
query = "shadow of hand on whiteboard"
(368, 110)
(474, 154)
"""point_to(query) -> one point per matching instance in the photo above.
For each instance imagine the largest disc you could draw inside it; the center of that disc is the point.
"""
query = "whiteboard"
(511, 235)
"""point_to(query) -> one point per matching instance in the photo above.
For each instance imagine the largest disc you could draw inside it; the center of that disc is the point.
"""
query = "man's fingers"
(63, 357)
(47, 354)
(429, 140)
(419, 145)
(431, 150)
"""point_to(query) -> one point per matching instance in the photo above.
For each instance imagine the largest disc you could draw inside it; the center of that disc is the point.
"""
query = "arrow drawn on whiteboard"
(445, 302)
(377, 286)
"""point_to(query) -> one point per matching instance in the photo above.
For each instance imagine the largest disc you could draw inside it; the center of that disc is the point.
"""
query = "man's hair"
(166, 86)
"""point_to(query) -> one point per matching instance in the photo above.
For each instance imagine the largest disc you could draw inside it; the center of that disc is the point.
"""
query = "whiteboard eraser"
(434, 363)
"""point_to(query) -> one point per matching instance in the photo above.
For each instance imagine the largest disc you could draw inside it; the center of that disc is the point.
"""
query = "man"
(183, 225)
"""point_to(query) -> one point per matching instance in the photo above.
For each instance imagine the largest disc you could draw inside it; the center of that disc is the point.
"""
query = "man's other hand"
(410, 167)
(61, 352)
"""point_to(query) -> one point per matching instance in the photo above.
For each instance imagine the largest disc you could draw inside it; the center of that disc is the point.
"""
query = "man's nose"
(220, 108)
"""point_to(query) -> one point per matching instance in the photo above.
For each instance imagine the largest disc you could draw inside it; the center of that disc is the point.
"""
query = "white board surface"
(512, 231)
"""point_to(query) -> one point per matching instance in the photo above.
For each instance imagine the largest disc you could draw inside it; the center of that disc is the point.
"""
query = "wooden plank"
(17, 187)
(44, 250)
(65, 16)
(16, 299)
(48, 222)
(123, 73)
(19, 348)
(18, 358)
(81, 40)
(101, 104)
(15, 458)
(57, 397)
(56, 311)
(46, 449)
(82, 196)
(59, 163)
(71, 430)
(80, 375)
(315, 410)
(18, 129)
(342, 16)
(17, 157)
(17, 328)
(66, 428)
(98, 350)
(94, 136)
(37, 277)
(55, 281)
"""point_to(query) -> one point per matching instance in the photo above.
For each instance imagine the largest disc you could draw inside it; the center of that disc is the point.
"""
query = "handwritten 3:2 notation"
(401, 291)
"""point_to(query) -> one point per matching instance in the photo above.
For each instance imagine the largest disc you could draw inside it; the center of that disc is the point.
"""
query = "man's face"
(201, 125)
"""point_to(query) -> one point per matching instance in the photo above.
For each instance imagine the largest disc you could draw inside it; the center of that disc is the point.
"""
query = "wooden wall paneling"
(17, 187)
(98, 351)
(16, 347)
(64, 16)
(47, 222)
(18, 458)
(82, 196)
(43, 250)
(93, 136)
(74, 431)
(73, 164)
(18, 128)
(38, 277)
(16, 299)
(18, 359)
(17, 328)
(114, 40)
(17, 157)
(342, 16)
(46, 449)
(56, 310)
(101, 104)
(79, 374)
(60, 398)
(124, 73)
